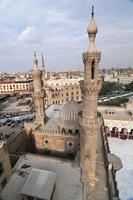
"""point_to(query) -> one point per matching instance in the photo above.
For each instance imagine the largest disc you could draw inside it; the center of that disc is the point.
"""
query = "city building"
(118, 121)
(12, 86)
(62, 90)
(110, 77)
(125, 79)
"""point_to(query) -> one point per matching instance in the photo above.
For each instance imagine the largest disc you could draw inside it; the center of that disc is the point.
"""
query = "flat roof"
(68, 178)
(39, 184)
(120, 113)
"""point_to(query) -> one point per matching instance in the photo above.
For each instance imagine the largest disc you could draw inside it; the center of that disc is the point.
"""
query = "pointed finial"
(35, 59)
(43, 65)
(92, 12)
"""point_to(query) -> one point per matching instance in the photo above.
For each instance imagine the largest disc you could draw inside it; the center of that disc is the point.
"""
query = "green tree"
(109, 88)
(129, 87)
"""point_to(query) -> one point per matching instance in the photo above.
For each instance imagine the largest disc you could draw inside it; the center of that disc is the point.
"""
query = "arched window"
(92, 69)
(76, 132)
(63, 130)
(70, 144)
(70, 131)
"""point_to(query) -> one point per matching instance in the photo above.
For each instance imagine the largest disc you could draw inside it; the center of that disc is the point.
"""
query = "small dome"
(92, 27)
(68, 116)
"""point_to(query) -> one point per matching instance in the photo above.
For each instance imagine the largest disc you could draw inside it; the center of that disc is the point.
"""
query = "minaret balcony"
(38, 95)
(88, 57)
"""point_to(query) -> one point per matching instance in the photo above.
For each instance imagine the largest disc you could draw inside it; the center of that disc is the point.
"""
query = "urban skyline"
(58, 30)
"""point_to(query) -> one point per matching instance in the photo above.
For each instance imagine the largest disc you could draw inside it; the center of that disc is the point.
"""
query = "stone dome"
(92, 27)
(68, 116)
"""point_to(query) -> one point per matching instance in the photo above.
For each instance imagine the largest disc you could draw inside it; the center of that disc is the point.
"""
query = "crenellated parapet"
(57, 133)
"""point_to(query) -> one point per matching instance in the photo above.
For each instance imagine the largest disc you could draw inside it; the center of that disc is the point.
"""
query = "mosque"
(76, 137)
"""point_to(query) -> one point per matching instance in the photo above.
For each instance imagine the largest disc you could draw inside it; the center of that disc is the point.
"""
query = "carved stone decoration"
(88, 122)
(38, 94)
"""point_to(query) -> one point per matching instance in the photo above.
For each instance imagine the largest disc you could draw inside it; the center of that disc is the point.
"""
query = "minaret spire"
(92, 12)
(38, 93)
(92, 31)
(43, 65)
(43, 70)
(35, 60)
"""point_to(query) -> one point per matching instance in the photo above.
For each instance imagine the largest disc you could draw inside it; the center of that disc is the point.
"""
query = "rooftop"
(120, 113)
(122, 148)
(68, 178)
(39, 184)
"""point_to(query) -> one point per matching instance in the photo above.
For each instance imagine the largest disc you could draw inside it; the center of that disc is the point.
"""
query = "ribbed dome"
(92, 27)
(68, 116)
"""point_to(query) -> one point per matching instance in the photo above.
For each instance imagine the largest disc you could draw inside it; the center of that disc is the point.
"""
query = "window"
(92, 69)
(70, 131)
(46, 141)
(1, 168)
(70, 144)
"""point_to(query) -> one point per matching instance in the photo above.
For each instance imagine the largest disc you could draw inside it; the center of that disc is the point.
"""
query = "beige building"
(62, 90)
(125, 79)
(7, 87)
(118, 121)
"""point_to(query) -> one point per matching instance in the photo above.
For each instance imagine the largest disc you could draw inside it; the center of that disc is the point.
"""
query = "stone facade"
(56, 143)
(62, 91)
(89, 126)
(38, 93)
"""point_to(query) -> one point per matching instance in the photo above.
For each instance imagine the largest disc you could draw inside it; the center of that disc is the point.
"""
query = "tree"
(129, 87)
(109, 88)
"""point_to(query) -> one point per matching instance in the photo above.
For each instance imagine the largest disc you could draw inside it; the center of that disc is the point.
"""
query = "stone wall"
(110, 171)
(56, 142)
(18, 143)
(5, 166)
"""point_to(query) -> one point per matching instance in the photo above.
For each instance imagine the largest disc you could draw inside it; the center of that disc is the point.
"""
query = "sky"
(57, 28)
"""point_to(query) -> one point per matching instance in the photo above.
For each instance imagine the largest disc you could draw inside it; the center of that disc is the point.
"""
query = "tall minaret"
(38, 93)
(89, 127)
(43, 71)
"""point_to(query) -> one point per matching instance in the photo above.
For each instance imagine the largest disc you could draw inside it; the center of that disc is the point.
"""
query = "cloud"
(53, 16)
(30, 35)
(59, 29)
